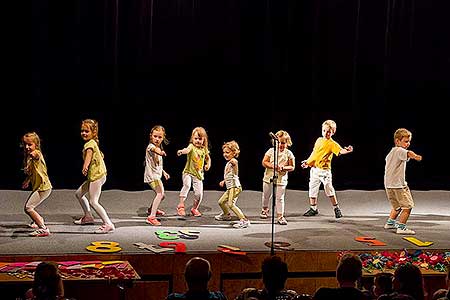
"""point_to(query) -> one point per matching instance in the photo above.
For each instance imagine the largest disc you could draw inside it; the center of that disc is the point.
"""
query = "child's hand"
(304, 165)
(179, 153)
(25, 184)
(222, 183)
(163, 153)
(84, 171)
(349, 148)
(166, 175)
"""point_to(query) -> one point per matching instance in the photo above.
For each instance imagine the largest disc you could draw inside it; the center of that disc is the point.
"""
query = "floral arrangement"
(389, 260)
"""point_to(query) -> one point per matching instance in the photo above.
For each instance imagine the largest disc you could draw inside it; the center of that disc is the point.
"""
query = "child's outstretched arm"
(183, 151)
(346, 150)
(159, 151)
(414, 156)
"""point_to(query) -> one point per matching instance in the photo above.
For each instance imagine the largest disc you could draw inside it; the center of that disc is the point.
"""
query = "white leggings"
(267, 195)
(197, 186)
(35, 199)
(93, 189)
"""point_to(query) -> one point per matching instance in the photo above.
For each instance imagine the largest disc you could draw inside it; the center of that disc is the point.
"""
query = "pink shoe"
(181, 211)
(84, 221)
(195, 212)
(153, 221)
(105, 228)
(159, 212)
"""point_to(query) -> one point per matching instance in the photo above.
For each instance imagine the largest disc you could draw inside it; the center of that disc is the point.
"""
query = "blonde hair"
(233, 146)
(202, 133)
(93, 126)
(37, 141)
(400, 133)
(160, 128)
(282, 134)
(331, 124)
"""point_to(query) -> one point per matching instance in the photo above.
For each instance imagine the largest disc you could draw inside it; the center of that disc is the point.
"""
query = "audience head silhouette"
(47, 284)
(349, 270)
(197, 273)
(383, 284)
(274, 273)
(408, 280)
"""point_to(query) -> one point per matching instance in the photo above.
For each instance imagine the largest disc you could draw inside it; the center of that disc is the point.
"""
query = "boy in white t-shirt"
(397, 189)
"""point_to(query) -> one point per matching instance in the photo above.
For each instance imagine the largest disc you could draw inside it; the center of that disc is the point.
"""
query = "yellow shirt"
(322, 153)
(97, 167)
(38, 173)
(195, 161)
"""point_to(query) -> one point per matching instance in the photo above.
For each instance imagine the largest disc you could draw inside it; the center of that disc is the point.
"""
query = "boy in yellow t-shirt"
(320, 163)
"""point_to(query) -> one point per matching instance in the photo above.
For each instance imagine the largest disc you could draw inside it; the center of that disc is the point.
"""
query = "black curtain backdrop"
(240, 68)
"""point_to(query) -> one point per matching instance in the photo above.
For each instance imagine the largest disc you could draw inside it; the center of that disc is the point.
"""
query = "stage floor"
(364, 215)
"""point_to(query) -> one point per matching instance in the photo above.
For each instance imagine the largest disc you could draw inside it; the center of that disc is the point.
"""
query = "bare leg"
(404, 215)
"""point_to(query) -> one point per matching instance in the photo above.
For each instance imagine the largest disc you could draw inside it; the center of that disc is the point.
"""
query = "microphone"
(273, 136)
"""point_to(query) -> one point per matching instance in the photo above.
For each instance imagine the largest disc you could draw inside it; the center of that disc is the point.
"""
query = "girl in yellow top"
(94, 168)
(320, 163)
(285, 164)
(154, 171)
(198, 161)
(35, 168)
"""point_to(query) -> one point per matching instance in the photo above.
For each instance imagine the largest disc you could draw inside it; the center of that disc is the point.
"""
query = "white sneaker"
(282, 221)
(242, 224)
(105, 228)
(405, 231)
(264, 213)
(223, 217)
(40, 232)
(389, 226)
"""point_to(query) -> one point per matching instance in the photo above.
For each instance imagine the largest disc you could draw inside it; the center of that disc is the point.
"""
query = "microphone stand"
(274, 191)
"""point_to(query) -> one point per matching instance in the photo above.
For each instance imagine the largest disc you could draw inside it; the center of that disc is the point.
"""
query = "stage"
(313, 241)
(364, 215)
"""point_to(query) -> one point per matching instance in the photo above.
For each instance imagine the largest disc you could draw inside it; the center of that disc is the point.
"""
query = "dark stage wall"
(372, 66)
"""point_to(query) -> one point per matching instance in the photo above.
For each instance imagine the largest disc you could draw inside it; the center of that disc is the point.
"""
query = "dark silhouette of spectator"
(408, 281)
(443, 294)
(197, 274)
(274, 276)
(348, 274)
(47, 283)
(383, 284)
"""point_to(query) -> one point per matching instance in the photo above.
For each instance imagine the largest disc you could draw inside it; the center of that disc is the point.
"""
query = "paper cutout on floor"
(417, 242)
(370, 241)
(189, 234)
(178, 246)
(230, 250)
(104, 247)
(152, 248)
